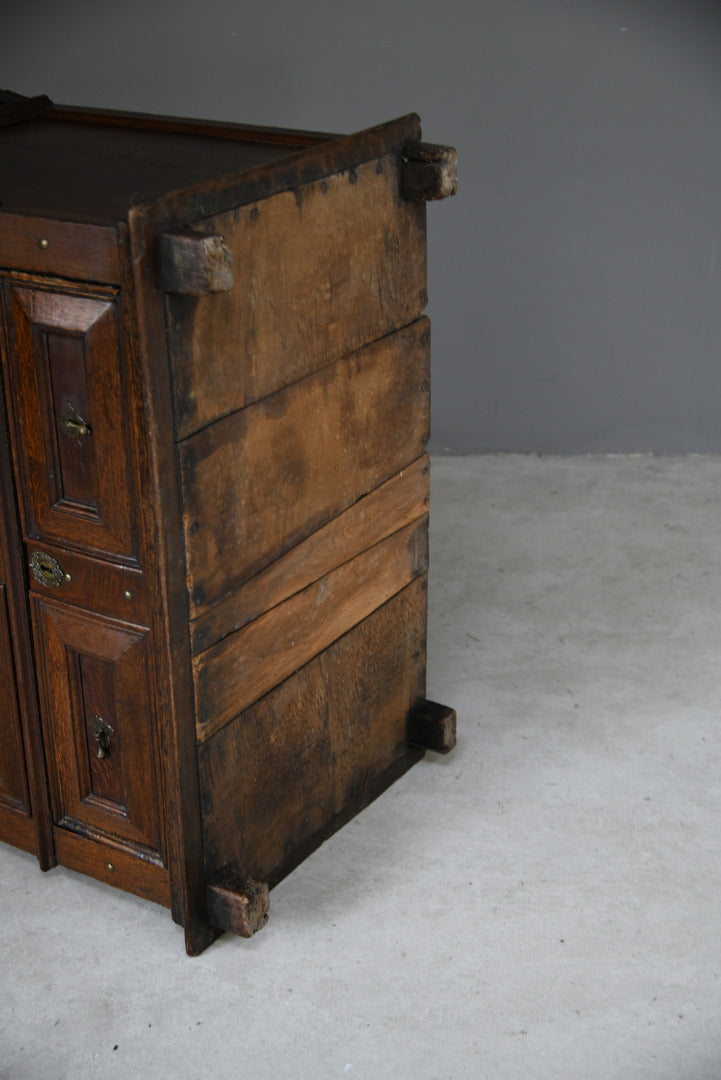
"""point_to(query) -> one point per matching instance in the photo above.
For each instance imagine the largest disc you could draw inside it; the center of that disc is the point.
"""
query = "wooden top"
(92, 166)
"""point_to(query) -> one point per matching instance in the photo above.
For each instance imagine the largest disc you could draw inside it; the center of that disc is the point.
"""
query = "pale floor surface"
(543, 903)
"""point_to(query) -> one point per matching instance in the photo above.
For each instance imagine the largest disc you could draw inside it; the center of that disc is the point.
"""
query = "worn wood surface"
(320, 271)
(429, 172)
(260, 481)
(251, 458)
(242, 667)
(310, 754)
(73, 249)
(238, 903)
(113, 864)
(398, 502)
(433, 726)
(195, 265)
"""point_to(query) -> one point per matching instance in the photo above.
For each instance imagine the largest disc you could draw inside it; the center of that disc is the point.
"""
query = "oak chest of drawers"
(213, 540)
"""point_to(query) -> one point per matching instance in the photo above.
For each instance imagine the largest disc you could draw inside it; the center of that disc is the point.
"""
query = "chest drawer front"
(67, 399)
(97, 720)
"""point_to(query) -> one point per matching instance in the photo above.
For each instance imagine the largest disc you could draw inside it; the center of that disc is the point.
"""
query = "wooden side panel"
(305, 758)
(319, 272)
(260, 481)
(246, 665)
(398, 502)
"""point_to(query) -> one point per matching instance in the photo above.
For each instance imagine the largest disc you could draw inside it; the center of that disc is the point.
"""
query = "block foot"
(237, 903)
(433, 726)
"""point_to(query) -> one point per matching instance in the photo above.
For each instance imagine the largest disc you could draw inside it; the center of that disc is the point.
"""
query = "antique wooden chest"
(213, 540)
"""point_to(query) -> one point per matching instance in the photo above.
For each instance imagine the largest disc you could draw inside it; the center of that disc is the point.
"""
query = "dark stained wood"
(246, 665)
(13, 778)
(344, 284)
(99, 172)
(90, 667)
(306, 166)
(258, 482)
(398, 502)
(114, 864)
(195, 265)
(433, 726)
(87, 252)
(342, 739)
(14, 108)
(173, 673)
(95, 584)
(429, 172)
(237, 903)
(217, 129)
(66, 365)
(214, 503)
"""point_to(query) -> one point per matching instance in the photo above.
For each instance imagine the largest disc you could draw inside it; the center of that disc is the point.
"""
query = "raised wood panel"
(319, 272)
(309, 755)
(398, 502)
(248, 664)
(95, 669)
(71, 418)
(259, 482)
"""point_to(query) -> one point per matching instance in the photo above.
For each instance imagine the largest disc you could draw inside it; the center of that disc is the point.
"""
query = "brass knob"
(47, 570)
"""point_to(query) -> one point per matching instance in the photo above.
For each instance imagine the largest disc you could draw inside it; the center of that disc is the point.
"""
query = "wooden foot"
(237, 903)
(429, 172)
(433, 726)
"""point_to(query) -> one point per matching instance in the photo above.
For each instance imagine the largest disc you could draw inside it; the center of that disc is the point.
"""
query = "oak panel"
(259, 482)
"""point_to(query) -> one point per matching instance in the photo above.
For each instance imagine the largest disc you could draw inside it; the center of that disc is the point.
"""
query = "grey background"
(575, 280)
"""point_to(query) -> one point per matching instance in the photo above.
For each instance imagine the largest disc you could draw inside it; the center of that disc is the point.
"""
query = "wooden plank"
(163, 547)
(309, 755)
(69, 249)
(248, 664)
(399, 501)
(113, 864)
(218, 129)
(320, 271)
(294, 170)
(262, 480)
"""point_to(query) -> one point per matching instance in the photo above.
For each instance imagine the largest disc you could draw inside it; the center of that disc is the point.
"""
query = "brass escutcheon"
(46, 569)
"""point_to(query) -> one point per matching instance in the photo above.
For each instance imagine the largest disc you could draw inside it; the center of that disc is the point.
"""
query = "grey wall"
(575, 280)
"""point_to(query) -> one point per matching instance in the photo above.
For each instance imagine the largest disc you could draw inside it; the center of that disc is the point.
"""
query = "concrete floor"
(545, 902)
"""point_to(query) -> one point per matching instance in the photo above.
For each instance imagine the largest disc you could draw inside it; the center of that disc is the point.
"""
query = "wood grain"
(305, 758)
(248, 664)
(320, 271)
(260, 481)
(401, 500)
